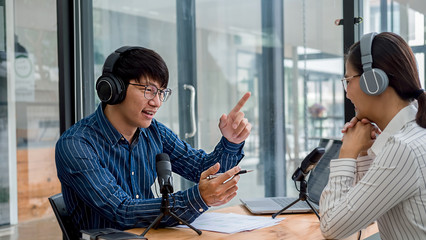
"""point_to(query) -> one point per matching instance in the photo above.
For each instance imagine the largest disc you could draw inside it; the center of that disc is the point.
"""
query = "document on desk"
(231, 222)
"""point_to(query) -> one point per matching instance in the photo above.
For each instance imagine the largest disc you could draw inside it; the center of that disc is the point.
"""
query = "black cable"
(295, 186)
(307, 195)
(174, 201)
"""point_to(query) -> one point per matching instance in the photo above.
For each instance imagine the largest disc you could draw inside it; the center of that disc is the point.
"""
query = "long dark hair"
(393, 55)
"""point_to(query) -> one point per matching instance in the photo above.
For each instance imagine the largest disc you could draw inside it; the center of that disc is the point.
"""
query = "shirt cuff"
(232, 147)
(363, 163)
(195, 201)
(343, 167)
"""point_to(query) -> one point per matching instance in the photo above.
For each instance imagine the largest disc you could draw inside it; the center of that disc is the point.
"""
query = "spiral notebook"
(317, 180)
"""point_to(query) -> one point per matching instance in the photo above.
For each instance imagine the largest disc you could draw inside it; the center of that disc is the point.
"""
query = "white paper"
(231, 222)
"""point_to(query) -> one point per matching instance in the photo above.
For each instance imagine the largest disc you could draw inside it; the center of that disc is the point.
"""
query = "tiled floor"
(42, 229)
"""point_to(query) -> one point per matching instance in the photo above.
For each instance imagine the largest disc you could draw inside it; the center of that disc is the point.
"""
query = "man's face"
(136, 109)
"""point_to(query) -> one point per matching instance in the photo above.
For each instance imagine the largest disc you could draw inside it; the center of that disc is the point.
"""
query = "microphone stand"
(303, 196)
(165, 210)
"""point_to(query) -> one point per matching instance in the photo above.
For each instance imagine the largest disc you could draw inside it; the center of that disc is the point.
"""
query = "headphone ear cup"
(374, 81)
(111, 90)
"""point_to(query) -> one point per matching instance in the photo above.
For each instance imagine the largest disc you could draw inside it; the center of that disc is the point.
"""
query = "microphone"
(308, 164)
(164, 173)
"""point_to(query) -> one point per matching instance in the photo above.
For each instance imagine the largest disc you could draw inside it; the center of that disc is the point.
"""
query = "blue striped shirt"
(106, 181)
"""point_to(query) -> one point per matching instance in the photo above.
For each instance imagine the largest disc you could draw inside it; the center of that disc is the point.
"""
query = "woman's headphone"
(111, 89)
(374, 80)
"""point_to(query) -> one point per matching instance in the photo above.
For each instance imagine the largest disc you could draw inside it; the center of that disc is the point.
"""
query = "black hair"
(141, 62)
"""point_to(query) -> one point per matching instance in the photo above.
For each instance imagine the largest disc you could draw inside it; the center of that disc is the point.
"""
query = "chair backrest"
(62, 216)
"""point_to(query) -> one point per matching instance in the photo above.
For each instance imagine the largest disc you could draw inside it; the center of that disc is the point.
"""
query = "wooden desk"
(294, 226)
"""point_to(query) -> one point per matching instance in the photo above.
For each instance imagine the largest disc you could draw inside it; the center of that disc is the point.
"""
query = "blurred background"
(287, 53)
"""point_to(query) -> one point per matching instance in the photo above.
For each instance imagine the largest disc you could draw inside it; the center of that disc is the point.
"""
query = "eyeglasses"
(151, 91)
(345, 81)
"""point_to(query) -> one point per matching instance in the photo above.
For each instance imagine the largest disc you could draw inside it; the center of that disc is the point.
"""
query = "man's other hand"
(220, 190)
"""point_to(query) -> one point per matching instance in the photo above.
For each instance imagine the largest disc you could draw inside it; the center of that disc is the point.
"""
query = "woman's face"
(359, 99)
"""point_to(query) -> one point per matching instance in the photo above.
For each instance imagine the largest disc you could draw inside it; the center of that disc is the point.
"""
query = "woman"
(381, 178)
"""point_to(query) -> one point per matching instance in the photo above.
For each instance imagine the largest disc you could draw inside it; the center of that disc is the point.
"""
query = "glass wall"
(229, 57)
(229, 49)
(29, 109)
(37, 105)
(314, 102)
(151, 24)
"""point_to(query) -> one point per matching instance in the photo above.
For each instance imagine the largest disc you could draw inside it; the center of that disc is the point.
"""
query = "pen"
(218, 174)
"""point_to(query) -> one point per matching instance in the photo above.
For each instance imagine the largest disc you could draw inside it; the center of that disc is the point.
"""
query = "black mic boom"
(308, 163)
(164, 173)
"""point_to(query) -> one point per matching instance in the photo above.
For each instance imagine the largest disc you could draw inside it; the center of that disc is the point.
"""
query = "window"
(29, 110)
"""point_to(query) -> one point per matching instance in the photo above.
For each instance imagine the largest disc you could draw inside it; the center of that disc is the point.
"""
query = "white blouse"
(388, 185)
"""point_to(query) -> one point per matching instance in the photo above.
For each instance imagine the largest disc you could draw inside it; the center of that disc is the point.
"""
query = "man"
(106, 161)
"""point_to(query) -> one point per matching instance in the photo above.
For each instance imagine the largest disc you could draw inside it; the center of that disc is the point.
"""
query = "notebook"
(317, 180)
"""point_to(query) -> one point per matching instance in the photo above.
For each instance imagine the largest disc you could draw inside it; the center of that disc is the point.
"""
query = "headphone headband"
(366, 45)
(113, 57)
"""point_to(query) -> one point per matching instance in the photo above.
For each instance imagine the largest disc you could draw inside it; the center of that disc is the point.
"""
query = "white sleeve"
(346, 208)
(363, 163)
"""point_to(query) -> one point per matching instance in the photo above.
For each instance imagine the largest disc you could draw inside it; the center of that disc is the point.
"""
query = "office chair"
(61, 213)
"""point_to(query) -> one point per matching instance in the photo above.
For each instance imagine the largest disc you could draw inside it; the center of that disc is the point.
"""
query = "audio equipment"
(374, 80)
(308, 163)
(110, 88)
(165, 180)
(164, 173)
(299, 175)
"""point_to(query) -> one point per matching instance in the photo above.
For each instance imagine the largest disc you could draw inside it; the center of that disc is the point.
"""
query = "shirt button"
(201, 210)
(122, 138)
(133, 173)
(137, 196)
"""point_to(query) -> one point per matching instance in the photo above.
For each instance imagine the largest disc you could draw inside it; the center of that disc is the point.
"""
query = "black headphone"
(374, 80)
(111, 89)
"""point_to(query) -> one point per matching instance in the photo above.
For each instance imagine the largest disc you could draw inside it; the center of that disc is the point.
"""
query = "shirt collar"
(404, 116)
(106, 127)
(144, 131)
